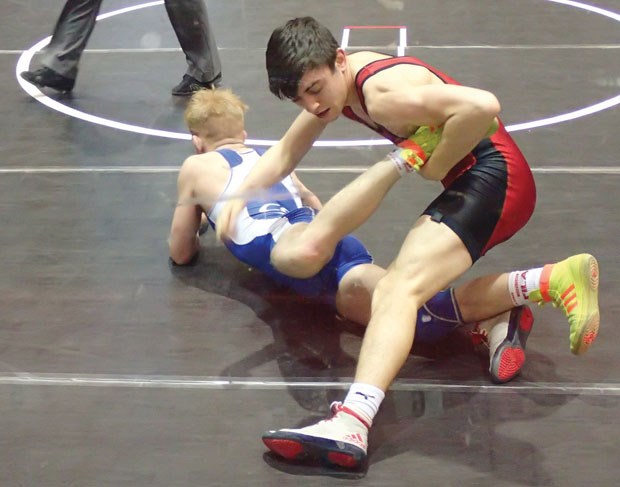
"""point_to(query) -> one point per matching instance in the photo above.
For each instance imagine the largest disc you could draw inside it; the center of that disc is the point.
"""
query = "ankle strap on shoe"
(545, 277)
(338, 407)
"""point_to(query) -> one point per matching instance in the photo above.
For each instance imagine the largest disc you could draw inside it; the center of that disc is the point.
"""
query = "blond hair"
(215, 114)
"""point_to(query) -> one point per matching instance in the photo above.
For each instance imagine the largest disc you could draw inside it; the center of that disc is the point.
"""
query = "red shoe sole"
(293, 446)
(510, 363)
(509, 357)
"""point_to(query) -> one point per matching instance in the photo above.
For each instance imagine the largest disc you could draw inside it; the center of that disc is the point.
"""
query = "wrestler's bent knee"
(302, 263)
(400, 285)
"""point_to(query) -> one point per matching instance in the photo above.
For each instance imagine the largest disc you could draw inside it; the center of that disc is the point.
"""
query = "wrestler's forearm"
(461, 133)
(183, 253)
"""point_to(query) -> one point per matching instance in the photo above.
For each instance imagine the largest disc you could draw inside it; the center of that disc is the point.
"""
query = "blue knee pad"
(438, 317)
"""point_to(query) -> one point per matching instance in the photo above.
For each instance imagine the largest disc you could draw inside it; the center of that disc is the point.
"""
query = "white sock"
(365, 400)
(522, 283)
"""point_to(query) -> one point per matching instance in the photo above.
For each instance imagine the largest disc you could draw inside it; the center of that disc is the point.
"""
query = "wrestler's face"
(323, 91)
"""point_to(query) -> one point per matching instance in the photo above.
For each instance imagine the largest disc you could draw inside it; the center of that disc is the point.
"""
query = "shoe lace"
(542, 303)
(335, 407)
(556, 301)
(479, 336)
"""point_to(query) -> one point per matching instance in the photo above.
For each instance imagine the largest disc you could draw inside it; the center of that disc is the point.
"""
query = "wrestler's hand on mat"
(225, 224)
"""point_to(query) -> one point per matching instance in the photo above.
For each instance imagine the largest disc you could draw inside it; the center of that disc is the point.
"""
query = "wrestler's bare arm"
(283, 157)
(465, 114)
(308, 198)
(201, 180)
(275, 164)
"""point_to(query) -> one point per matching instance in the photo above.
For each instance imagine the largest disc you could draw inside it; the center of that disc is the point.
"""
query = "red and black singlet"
(516, 204)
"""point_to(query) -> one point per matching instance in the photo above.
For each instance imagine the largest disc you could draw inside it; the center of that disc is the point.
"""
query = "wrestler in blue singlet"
(263, 220)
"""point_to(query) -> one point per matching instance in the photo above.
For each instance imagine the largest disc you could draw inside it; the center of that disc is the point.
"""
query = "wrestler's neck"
(349, 73)
(228, 143)
(355, 62)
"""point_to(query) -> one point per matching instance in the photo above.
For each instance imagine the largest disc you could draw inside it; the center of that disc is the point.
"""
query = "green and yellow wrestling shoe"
(414, 151)
(572, 284)
(427, 137)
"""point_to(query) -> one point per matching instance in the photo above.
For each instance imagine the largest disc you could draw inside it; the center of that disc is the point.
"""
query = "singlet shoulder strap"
(381, 64)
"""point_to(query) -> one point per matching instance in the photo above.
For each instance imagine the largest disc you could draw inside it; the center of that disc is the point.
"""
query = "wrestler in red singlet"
(489, 195)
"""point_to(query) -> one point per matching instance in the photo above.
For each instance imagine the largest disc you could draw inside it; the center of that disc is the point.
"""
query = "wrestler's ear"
(198, 144)
(341, 60)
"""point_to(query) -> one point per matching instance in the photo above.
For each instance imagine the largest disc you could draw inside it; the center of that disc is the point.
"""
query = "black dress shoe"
(189, 85)
(46, 77)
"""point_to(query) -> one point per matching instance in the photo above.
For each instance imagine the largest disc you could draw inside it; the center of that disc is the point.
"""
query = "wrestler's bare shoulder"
(204, 176)
(410, 74)
(206, 173)
(206, 162)
(362, 58)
